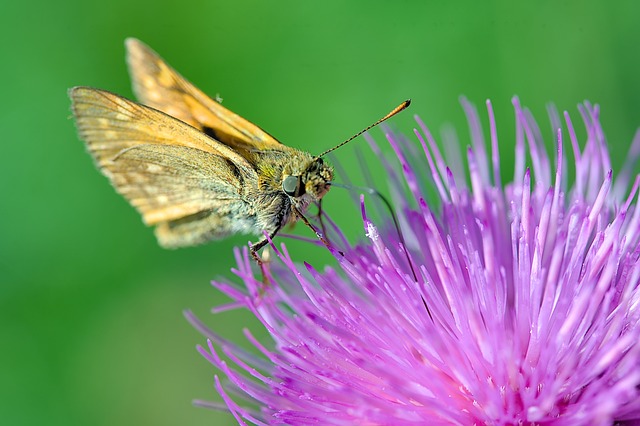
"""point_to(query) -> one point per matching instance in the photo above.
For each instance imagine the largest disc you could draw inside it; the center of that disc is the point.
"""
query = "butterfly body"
(261, 206)
(192, 168)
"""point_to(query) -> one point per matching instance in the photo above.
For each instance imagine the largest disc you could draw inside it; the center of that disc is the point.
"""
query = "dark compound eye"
(292, 186)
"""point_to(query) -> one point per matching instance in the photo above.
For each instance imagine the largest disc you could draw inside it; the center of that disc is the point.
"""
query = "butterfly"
(191, 167)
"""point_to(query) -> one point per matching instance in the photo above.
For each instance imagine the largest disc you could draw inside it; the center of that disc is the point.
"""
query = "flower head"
(493, 306)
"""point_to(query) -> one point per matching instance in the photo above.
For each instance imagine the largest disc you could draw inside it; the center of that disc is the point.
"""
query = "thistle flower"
(493, 306)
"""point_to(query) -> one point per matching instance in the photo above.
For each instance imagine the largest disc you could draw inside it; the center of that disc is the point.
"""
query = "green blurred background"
(90, 307)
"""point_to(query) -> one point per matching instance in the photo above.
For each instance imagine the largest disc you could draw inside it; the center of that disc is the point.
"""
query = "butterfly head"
(312, 182)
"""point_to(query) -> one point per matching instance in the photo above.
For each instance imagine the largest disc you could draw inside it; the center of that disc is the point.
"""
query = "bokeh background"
(91, 323)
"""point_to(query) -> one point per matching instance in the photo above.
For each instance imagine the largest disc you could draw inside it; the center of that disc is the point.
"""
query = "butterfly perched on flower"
(192, 168)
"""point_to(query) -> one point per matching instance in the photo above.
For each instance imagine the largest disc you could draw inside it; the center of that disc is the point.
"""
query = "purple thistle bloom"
(514, 305)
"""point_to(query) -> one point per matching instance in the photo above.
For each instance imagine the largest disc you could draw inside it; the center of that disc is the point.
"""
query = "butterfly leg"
(318, 234)
(322, 227)
(259, 260)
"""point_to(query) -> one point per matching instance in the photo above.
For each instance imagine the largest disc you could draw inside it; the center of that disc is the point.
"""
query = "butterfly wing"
(158, 85)
(178, 178)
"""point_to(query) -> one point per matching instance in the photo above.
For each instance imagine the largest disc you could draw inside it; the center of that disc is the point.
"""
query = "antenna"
(396, 110)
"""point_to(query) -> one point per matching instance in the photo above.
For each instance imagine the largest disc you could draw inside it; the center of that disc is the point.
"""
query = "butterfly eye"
(291, 186)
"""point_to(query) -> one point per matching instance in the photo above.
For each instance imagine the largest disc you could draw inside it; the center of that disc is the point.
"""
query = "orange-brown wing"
(158, 85)
(165, 168)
